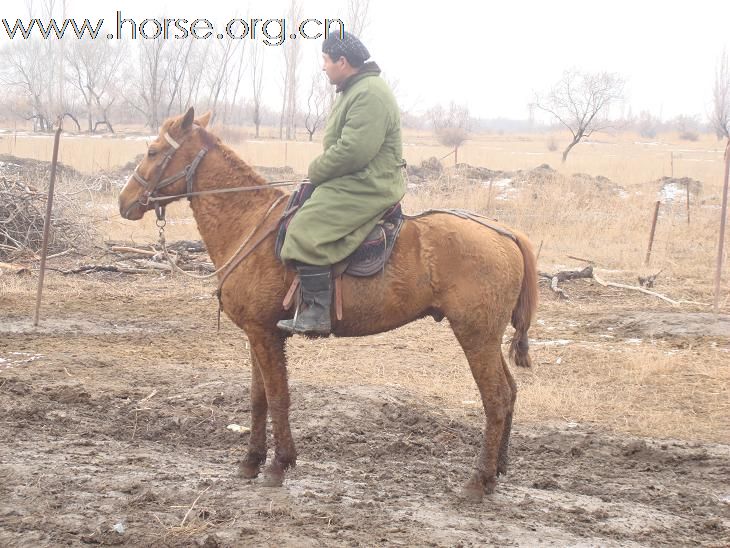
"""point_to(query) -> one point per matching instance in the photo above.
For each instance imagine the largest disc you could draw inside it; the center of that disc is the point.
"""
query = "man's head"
(342, 57)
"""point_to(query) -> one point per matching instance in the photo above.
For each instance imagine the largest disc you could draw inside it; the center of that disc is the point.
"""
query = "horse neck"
(224, 220)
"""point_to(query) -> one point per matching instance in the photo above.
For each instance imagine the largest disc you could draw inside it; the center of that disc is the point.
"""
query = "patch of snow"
(556, 342)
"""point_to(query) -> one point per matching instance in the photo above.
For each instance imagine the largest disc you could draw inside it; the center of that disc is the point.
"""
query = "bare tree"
(178, 70)
(720, 117)
(357, 16)
(240, 64)
(451, 126)
(292, 56)
(24, 69)
(147, 80)
(580, 101)
(30, 66)
(197, 63)
(317, 103)
(221, 59)
(52, 90)
(257, 80)
(61, 68)
(93, 67)
(161, 78)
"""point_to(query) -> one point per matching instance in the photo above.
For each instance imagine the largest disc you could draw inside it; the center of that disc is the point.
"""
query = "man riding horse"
(356, 179)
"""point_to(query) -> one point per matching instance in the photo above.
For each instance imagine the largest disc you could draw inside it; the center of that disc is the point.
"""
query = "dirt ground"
(115, 415)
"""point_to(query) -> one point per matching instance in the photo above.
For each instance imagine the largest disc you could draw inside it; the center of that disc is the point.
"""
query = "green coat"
(357, 177)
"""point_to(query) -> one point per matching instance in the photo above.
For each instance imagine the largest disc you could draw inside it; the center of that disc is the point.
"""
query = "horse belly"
(383, 302)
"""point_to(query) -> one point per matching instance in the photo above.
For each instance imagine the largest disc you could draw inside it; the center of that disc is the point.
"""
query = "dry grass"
(647, 389)
(655, 391)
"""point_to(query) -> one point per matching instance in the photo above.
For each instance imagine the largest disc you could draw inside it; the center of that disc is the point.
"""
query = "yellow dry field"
(625, 158)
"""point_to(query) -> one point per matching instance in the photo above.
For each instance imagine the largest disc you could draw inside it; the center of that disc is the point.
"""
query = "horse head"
(167, 171)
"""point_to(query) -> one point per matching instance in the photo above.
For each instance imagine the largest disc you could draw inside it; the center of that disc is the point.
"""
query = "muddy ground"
(114, 419)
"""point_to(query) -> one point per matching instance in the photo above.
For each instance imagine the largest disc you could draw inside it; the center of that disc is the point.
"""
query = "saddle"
(370, 257)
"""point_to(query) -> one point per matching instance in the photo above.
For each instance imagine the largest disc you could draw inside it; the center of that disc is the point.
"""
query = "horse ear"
(204, 120)
(187, 121)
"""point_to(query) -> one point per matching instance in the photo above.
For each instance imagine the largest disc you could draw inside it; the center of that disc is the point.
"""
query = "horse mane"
(235, 162)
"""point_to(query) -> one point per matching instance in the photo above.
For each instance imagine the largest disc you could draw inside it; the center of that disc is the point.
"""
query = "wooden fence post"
(47, 225)
(653, 230)
(723, 216)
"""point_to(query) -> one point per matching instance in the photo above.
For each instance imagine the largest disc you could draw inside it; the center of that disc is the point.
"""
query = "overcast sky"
(493, 56)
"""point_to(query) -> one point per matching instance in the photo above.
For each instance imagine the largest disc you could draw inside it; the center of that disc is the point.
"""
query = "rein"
(272, 184)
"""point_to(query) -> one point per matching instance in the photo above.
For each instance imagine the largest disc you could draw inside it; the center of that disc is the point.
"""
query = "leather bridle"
(151, 189)
(188, 172)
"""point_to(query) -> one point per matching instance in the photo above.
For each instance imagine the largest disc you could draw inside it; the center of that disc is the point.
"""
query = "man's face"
(336, 71)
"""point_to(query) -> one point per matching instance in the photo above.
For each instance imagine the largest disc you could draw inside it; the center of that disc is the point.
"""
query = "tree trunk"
(570, 146)
(78, 126)
(103, 123)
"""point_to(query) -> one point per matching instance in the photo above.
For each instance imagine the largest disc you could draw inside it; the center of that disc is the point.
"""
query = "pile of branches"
(187, 255)
(22, 212)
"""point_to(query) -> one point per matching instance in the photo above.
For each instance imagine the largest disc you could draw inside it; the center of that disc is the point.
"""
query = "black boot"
(313, 312)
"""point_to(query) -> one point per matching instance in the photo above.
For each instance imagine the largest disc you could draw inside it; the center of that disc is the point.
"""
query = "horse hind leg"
(256, 455)
(485, 361)
(503, 459)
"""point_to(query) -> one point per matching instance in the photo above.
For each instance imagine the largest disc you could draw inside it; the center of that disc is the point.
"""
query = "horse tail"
(524, 310)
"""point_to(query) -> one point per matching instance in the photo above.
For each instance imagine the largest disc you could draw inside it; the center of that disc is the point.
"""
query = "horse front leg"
(256, 455)
(269, 349)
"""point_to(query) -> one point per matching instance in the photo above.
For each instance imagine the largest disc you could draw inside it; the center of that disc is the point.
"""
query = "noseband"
(151, 189)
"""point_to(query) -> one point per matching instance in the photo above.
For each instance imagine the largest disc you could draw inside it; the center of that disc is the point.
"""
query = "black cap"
(347, 46)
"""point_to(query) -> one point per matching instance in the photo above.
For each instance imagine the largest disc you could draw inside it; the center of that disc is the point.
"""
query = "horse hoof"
(501, 469)
(248, 471)
(272, 481)
(273, 478)
(471, 493)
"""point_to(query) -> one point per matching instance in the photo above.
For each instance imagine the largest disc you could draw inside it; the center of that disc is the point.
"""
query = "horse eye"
(151, 152)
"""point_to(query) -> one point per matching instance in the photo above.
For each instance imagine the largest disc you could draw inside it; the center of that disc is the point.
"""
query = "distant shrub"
(688, 127)
(647, 125)
(689, 136)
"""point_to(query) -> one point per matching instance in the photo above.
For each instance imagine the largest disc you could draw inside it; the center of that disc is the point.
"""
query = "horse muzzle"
(133, 211)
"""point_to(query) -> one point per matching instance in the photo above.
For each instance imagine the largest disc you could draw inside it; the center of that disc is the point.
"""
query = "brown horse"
(442, 266)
